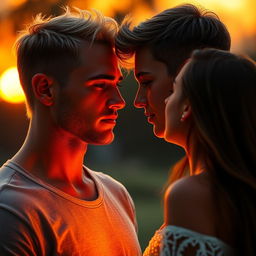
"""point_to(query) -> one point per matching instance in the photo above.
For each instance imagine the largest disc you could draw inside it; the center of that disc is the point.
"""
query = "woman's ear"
(42, 88)
(186, 113)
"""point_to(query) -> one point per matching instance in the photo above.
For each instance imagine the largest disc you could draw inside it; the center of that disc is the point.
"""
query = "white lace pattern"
(178, 241)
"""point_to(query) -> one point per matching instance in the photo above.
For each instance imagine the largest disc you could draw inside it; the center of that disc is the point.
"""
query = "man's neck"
(57, 158)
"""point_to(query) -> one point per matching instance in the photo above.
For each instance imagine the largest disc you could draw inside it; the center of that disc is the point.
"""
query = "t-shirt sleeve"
(132, 206)
(119, 190)
(16, 238)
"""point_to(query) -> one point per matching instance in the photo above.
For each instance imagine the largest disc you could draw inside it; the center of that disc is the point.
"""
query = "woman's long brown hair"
(221, 88)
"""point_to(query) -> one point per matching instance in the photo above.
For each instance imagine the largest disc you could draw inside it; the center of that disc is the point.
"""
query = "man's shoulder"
(6, 174)
(18, 191)
(117, 193)
(107, 180)
(112, 186)
(13, 179)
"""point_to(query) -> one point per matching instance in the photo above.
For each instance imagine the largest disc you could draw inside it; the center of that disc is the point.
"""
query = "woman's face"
(177, 113)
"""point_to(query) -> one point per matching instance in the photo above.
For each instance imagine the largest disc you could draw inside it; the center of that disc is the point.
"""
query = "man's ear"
(186, 112)
(42, 88)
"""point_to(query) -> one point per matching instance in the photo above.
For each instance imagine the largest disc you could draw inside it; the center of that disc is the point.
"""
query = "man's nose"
(117, 101)
(140, 100)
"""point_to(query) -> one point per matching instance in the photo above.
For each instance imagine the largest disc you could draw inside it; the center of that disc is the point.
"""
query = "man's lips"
(150, 117)
(109, 119)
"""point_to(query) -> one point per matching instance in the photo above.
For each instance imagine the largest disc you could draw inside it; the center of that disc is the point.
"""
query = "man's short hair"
(172, 35)
(51, 45)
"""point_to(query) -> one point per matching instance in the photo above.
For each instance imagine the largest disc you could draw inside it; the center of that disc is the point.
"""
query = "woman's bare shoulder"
(189, 204)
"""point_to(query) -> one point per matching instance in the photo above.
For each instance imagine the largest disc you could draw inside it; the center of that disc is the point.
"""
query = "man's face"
(155, 85)
(86, 106)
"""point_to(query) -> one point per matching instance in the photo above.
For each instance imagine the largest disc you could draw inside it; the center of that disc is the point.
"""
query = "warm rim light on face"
(10, 88)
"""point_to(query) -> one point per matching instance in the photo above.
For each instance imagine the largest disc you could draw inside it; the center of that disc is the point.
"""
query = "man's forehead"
(97, 50)
(141, 66)
(146, 64)
(97, 54)
(101, 72)
(143, 54)
(101, 69)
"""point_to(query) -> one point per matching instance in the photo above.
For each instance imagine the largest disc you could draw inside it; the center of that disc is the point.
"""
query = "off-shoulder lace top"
(178, 241)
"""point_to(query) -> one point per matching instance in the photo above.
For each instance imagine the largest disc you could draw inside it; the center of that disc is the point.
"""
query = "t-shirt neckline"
(91, 204)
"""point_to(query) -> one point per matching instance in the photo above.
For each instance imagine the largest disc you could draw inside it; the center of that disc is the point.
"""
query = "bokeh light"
(10, 89)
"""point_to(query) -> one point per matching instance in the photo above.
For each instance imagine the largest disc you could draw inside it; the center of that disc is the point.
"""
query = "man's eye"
(100, 85)
(145, 83)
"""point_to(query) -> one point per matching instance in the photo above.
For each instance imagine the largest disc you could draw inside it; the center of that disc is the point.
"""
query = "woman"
(211, 114)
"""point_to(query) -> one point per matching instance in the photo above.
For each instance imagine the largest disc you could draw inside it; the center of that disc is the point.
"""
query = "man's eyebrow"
(140, 74)
(104, 77)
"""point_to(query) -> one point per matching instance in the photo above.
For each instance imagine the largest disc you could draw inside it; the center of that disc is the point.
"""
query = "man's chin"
(104, 141)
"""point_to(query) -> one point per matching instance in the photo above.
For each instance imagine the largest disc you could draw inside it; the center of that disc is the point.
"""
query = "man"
(161, 46)
(50, 204)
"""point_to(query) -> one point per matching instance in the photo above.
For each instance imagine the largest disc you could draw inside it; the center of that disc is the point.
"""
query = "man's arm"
(16, 237)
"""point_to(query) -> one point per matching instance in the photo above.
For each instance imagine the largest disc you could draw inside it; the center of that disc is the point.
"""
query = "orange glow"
(9, 4)
(15, 3)
(108, 8)
(10, 89)
(141, 12)
(7, 58)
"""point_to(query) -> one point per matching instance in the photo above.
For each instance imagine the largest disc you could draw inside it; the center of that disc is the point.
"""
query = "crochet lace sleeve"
(178, 241)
